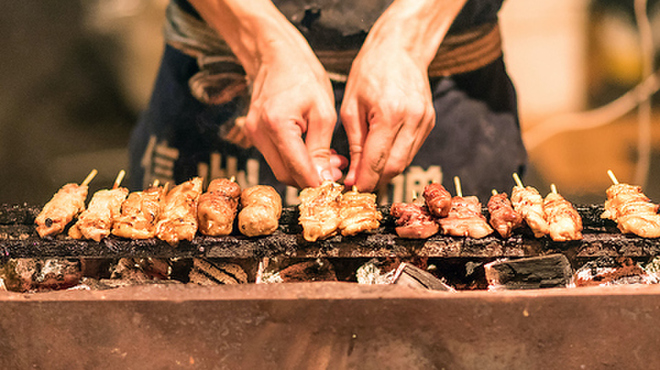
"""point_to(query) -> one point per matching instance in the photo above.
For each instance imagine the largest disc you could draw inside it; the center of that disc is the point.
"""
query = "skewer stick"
(494, 192)
(414, 195)
(118, 180)
(612, 177)
(89, 178)
(516, 178)
(232, 179)
(553, 188)
(156, 183)
(457, 184)
(354, 188)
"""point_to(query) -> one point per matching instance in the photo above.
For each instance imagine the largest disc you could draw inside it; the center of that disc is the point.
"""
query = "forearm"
(417, 26)
(255, 30)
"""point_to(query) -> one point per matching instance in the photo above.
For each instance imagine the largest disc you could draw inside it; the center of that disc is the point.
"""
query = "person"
(384, 95)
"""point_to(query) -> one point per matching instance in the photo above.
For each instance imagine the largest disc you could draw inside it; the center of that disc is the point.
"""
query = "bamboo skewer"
(89, 178)
(119, 179)
(516, 178)
(457, 185)
(612, 177)
(553, 188)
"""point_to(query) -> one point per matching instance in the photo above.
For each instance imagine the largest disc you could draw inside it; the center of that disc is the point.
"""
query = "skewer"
(553, 188)
(156, 183)
(414, 196)
(118, 180)
(516, 178)
(89, 178)
(612, 177)
(494, 192)
(354, 188)
(232, 179)
(457, 184)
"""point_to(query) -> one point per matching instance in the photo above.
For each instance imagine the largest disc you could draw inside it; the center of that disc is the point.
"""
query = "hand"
(292, 96)
(388, 108)
(387, 113)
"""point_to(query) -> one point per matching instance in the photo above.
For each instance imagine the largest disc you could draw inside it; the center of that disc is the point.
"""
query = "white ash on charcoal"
(275, 270)
(208, 273)
(376, 272)
(414, 277)
(614, 271)
(29, 274)
(141, 269)
(551, 271)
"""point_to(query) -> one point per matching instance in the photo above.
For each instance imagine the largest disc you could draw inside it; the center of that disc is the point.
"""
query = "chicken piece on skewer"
(413, 220)
(631, 209)
(358, 212)
(96, 221)
(465, 218)
(438, 199)
(503, 217)
(178, 217)
(564, 222)
(319, 210)
(529, 203)
(261, 211)
(63, 207)
(217, 208)
(139, 213)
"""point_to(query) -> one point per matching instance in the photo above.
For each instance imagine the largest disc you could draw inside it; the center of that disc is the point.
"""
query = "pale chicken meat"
(358, 213)
(178, 218)
(413, 220)
(261, 211)
(529, 203)
(465, 219)
(217, 207)
(632, 210)
(319, 210)
(438, 199)
(564, 222)
(139, 213)
(503, 218)
(63, 207)
(96, 221)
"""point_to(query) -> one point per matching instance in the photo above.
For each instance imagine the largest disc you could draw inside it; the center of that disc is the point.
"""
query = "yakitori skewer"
(527, 201)
(139, 213)
(503, 218)
(65, 205)
(218, 206)
(631, 209)
(465, 218)
(564, 222)
(96, 221)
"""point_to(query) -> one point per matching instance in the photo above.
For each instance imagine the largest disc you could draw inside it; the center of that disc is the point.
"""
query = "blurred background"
(75, 76)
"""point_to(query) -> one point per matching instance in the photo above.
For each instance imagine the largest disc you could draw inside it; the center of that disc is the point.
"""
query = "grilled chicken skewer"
(96, 221)
(262, 208)
(413, 220)
(63, 207)
(529, 203)
(139, 213)
(178, 218)
(319, 211)
(631, 209)
(503, 217)
(564, 222)
(438, 199)
(217, 208)
(358, 212)
(465, 218)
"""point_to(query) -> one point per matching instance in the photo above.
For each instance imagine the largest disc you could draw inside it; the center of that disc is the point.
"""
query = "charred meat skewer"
(178, 218)
(63, 207)
(358, 212)
(262, 208)
(217, 207)
(139, 213)
(319, 211)
(632, 210)
(564, 222)
(503, 217)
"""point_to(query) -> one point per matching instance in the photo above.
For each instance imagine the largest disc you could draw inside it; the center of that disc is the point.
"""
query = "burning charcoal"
(205, 272)
(271, 271)
(610, 271)
(375, 272)
(141, 269)
(28, 274)
(414, 277)
(530, 273)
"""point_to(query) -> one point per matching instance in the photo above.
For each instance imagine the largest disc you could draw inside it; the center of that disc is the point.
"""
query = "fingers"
(321, 122)
(355, 125)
